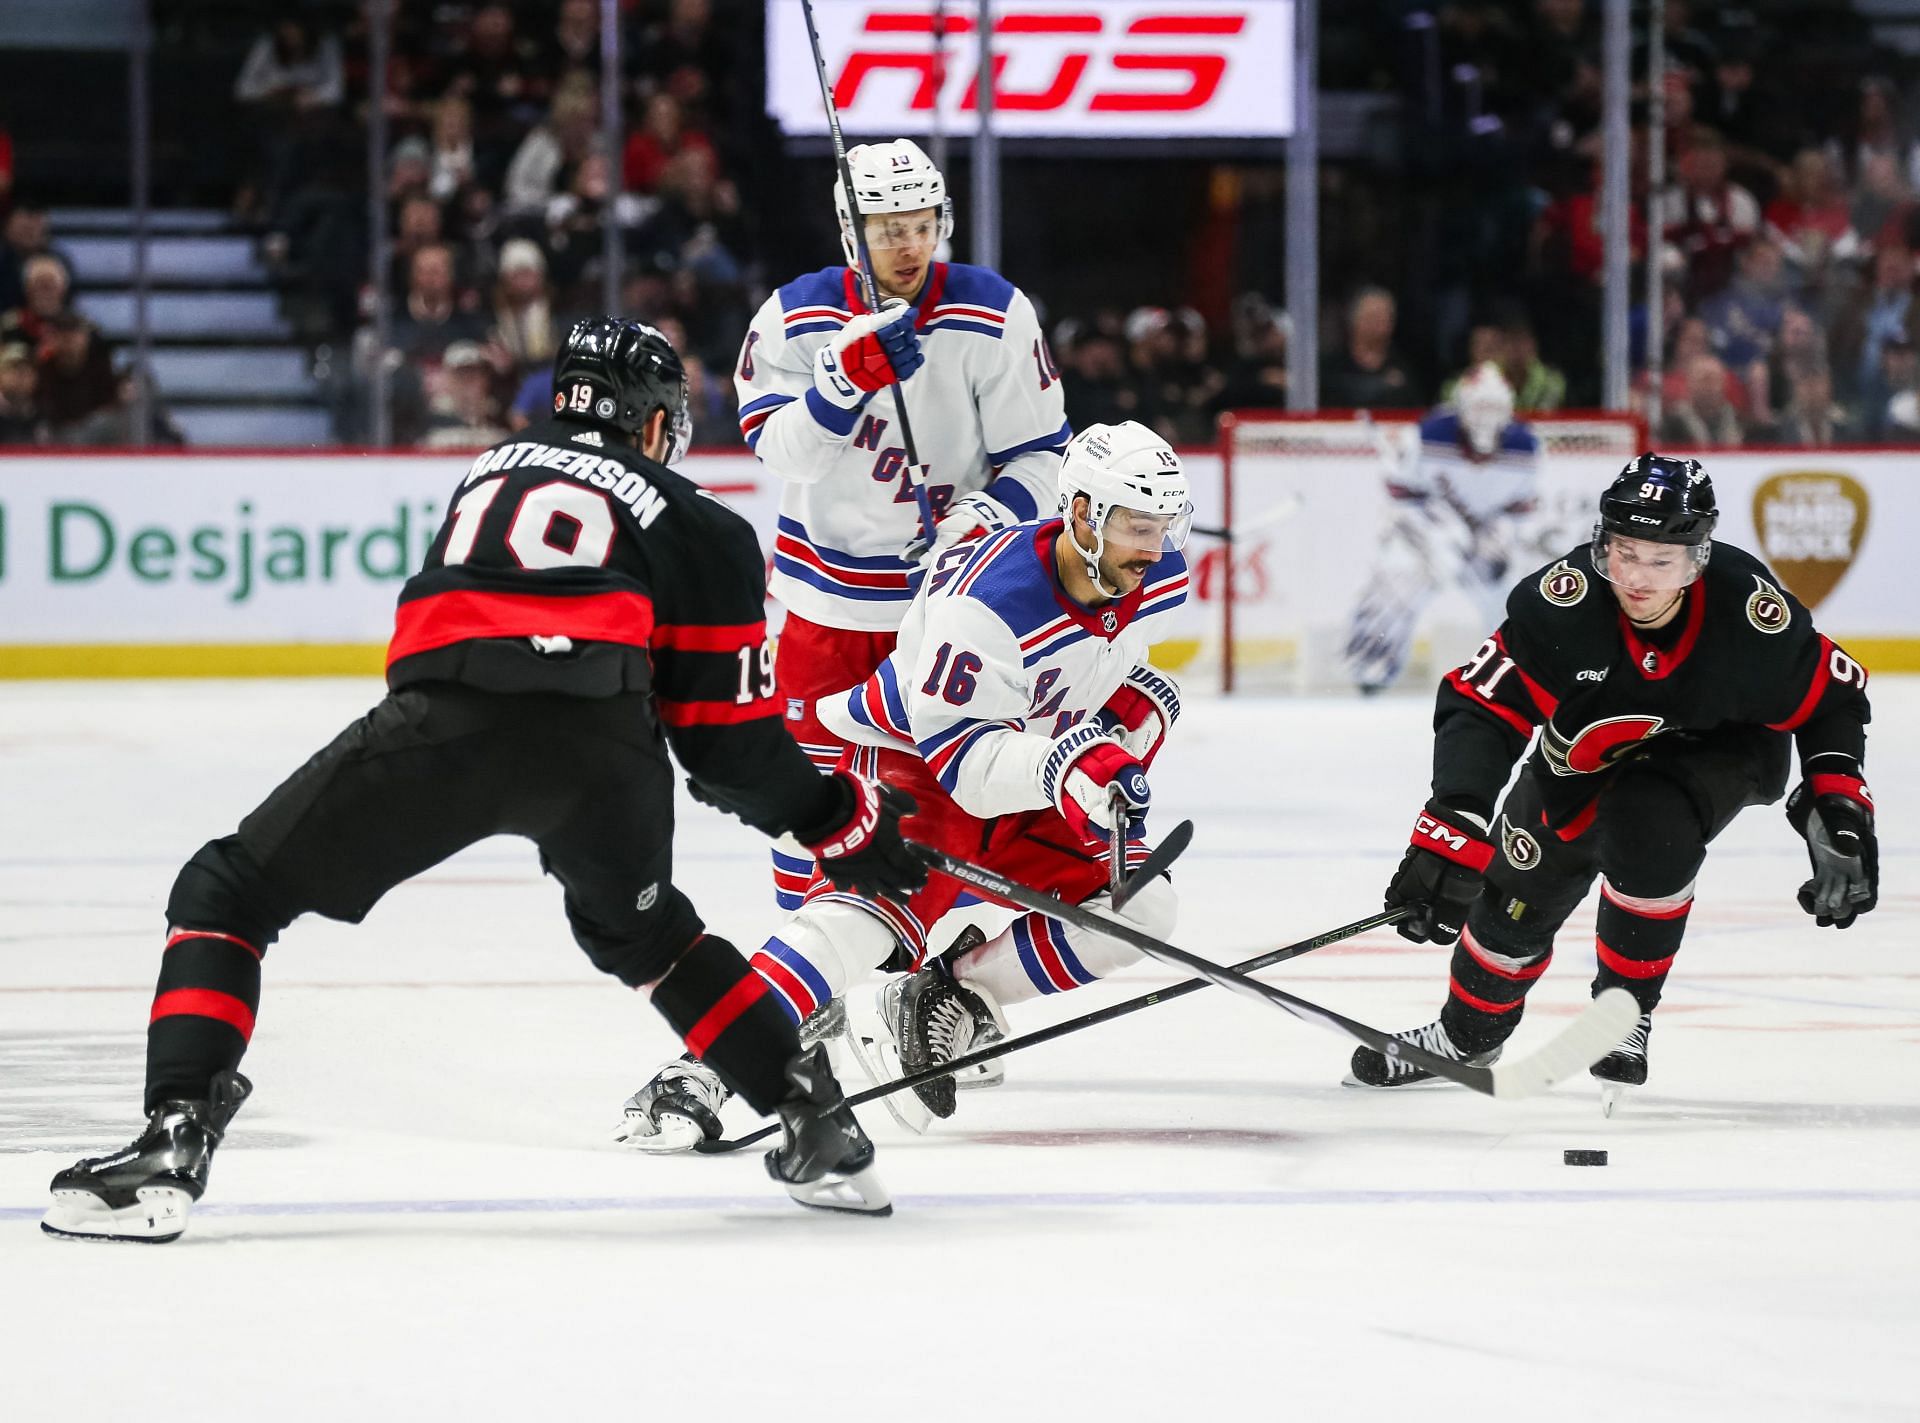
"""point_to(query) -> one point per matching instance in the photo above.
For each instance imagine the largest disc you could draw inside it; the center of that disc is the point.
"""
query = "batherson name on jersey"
(987, 413)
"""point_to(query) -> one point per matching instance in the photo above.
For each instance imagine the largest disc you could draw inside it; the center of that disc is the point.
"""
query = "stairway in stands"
(227, 367)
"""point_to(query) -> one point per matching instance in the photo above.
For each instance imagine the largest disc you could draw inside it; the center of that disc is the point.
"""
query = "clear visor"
(1147, 533)
(888, 232)
(1640, 565)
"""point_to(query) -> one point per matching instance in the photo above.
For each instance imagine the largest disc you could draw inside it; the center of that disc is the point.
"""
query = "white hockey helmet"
(1136, 489)
(1484, 401)
(890, 177)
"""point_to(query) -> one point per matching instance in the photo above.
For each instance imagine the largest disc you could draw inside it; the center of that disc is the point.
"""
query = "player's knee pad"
(826, 948)
(1152, 910)
(1515, 929)
(1651, 840)
(221, 889)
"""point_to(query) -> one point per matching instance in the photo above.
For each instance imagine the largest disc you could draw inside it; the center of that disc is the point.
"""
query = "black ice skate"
(935, 1020)
(993, 1072)
(144, 1192)
(1624, 1067)
(824, 1158)
(1371, 1068)
(678, 1110)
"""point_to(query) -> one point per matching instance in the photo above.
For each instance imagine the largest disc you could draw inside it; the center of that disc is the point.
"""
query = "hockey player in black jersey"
(1666, 675)
(582, 609)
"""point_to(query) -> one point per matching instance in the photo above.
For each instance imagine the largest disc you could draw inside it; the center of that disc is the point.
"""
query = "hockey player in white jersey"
(820, 379)
(1471, 472)
(1019, 694)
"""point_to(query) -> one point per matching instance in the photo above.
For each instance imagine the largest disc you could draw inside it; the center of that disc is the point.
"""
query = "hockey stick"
(1116, 844)
(1157, 862)
(1277, 514)
(1583, 1042)
(1086, 1020)
(869, 289)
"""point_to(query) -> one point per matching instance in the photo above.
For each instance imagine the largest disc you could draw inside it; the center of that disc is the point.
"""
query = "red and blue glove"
(1075, 776)
(870, 352)
(1141, 713)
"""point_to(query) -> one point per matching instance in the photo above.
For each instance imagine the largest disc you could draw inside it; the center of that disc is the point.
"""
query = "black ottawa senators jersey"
(570, 563)
(1742, 652)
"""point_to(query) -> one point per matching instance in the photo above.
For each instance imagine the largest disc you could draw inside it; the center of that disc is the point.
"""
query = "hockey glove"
(871, 351)
(1441, 874)
(1075, 776)
(1834, 814)
(861, 848)
(1141, 712)
(967, 517)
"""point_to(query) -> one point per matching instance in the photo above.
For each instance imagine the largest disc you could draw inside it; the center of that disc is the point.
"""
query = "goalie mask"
(1656, 524)
(1484, 401)
(892, 178)
(1136, 491)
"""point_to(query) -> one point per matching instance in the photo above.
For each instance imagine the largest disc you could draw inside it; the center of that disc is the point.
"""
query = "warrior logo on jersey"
(1766, 609)
(1522, 850)
(1596, 746)
(1563, 585)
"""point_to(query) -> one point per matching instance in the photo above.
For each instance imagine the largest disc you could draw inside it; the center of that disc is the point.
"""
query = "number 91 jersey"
(1741, 653)
(995, 660)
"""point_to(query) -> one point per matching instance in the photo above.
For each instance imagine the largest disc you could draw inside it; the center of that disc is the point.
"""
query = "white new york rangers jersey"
(987, 413)
(995, 660)
(1478, 490)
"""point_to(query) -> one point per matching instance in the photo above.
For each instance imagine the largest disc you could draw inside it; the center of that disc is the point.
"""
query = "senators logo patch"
(1521, 849)
(1766, 609)
(1563, 585)
(1596, 746)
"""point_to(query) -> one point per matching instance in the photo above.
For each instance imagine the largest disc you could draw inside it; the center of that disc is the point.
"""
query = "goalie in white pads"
(1455, 495)
(1019, 694)
(820, 381)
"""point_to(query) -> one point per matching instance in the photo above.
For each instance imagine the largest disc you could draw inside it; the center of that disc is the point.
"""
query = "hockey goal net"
(1287, 540)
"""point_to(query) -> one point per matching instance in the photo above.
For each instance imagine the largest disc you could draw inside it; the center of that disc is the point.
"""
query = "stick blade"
(1583, 1042)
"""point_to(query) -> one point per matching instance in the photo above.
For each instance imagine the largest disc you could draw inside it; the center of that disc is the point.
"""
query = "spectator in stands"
(1875, 315)
(1368, 372)
(1898, 421)
(1882, 202)
(1811, 419)
(1707, 218)
(548, 155)
(464, 414)
(418, 223)
(1877, 134)
(24, 234)
(20, 420)
(662, 135)
(1801, 341)
(491, 68)
(523, 322)
(292, 76)
(1743, 321)
(1537, 387)
(436, 313)
(1811, 218)
(452, 165)
(1257, 379)
(1095, 366)
(574, 42)
(684, 53)
(1706, 416)
(44, 278)
(77, 379)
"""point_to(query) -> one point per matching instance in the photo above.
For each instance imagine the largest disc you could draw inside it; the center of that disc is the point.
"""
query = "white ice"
(1180, 1214)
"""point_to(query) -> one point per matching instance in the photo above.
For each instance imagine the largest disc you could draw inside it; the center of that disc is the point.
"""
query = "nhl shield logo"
(1110, 621)
(1521, 849)
(1766, 609)
(1563, 585)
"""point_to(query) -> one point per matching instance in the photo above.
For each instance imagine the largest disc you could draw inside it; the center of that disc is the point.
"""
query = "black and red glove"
(1834, 814)
(860, 848)
(1441, 874)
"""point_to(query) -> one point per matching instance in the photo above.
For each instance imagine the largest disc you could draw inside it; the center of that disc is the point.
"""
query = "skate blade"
(858, 1193)
(672, 1135)
(1613, 1096)
(981, 1076)
(873, 1054)
(159, 1214)
(1430, 1081)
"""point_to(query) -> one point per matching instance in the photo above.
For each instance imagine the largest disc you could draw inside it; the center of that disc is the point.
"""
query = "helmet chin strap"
(1092, 560)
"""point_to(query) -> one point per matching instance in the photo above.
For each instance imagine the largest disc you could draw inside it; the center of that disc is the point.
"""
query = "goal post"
(1292, 518)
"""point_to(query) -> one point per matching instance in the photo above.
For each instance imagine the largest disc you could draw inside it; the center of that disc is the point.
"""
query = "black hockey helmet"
(1662, 499)
(616, 373)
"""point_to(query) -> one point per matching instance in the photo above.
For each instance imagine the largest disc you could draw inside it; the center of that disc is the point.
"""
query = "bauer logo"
(1766, 609)
(1563, 585)
(1096, 69)
(1812, 524)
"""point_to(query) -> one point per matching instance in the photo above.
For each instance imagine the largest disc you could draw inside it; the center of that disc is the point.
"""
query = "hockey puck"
(1584, 1158)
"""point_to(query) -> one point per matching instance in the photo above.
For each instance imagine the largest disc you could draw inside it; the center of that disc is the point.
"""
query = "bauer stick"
(1583, 1042)
(1086, 1020)
(1116, 845)
(869, 289)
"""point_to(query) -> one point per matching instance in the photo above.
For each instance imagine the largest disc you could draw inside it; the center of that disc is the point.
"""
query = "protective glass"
(887, 232)
(1645, 566)
(1146, 533)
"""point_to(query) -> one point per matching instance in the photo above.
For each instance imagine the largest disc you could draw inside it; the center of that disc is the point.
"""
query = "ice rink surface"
(1178, 1215)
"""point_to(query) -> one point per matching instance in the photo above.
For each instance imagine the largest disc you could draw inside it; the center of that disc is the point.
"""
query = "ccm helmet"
(1662, 499)
(616, 373)
(887, 178)
(1123, 470)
